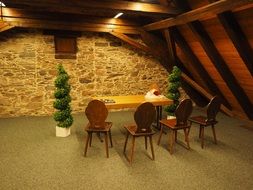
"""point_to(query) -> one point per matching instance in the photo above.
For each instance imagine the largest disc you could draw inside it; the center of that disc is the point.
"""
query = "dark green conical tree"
(173, 93)
(62, 101)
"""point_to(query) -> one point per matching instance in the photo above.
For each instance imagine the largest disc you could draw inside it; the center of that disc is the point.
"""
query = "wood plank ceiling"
(211, 41)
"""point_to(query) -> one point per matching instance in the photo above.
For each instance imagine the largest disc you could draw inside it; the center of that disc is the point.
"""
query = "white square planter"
(62, 132)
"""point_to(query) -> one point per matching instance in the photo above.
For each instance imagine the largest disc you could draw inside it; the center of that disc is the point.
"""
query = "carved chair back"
(183, 112)
(144, 117)
(96, 112)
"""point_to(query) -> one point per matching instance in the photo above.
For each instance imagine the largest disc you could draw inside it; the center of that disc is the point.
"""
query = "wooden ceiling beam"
(199, 13)
(81, 24)
(171, 46)
(34, 14)
(203, 37)
(238, 38)
(197, 97)
(182, 43)
(79, 6)
(174, 60)
(54, 25)
(131, 41)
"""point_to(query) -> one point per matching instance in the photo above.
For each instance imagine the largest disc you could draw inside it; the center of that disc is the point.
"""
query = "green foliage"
(173, 92)
(171, 109)
(174, 96)
(62, 101)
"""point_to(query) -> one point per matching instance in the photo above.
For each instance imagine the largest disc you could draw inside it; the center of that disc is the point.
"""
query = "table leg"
(158, 117)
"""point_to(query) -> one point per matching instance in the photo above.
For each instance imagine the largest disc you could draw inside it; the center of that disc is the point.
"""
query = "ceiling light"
(118, 15)
(2, 4)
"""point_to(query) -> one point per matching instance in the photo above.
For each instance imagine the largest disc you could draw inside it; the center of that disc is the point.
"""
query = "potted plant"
(62, 101)
(173, 91)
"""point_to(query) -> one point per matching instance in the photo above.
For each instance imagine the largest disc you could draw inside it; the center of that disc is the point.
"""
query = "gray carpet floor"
(31, 157)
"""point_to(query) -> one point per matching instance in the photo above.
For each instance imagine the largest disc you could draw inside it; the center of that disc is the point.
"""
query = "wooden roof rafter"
(197, 64)
(208, 45)
(79, 6)
(73, 27)
(131, 41)
(35, 14)
(62, 25)
(196, 14)
(237, 36)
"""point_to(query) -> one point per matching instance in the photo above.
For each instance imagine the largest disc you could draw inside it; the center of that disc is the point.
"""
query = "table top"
(132, 101)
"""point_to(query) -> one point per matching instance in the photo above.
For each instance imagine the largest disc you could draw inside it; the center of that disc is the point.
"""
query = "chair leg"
(214, 134)
(160, 135)
(202, 136)
(188, 132)
(132, 150)
(175, 136)
(106, 144)
(186, 138)
(200, 128)
(90, 138)
(151, 147)
(126, 142)
(172, 140)
(110, 137)
(86, 144)
(146, 145)
(99, 137)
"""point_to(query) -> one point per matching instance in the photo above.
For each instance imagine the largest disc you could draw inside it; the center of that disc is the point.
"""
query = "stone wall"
(104, 66)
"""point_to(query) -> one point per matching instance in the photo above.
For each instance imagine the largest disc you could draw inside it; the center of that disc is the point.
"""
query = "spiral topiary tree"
(173, 93)
(62, 101)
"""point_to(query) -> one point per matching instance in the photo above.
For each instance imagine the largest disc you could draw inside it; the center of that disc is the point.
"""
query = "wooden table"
(133, 101)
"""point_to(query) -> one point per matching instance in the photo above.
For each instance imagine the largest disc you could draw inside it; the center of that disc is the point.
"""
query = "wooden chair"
(143, 116)
(209, 120)
(182, 113)
(96, 112)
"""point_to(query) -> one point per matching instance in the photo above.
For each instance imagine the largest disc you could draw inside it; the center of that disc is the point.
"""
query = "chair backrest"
(213, 108)
(96, 112)
(144, 117)
(183, 112)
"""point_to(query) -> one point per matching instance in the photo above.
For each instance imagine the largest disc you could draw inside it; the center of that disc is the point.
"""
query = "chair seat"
(171, 123)
(202, 120)
(133, 128)
(105, 128)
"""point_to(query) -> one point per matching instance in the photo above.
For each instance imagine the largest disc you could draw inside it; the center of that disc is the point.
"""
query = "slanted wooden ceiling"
(210, 40)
